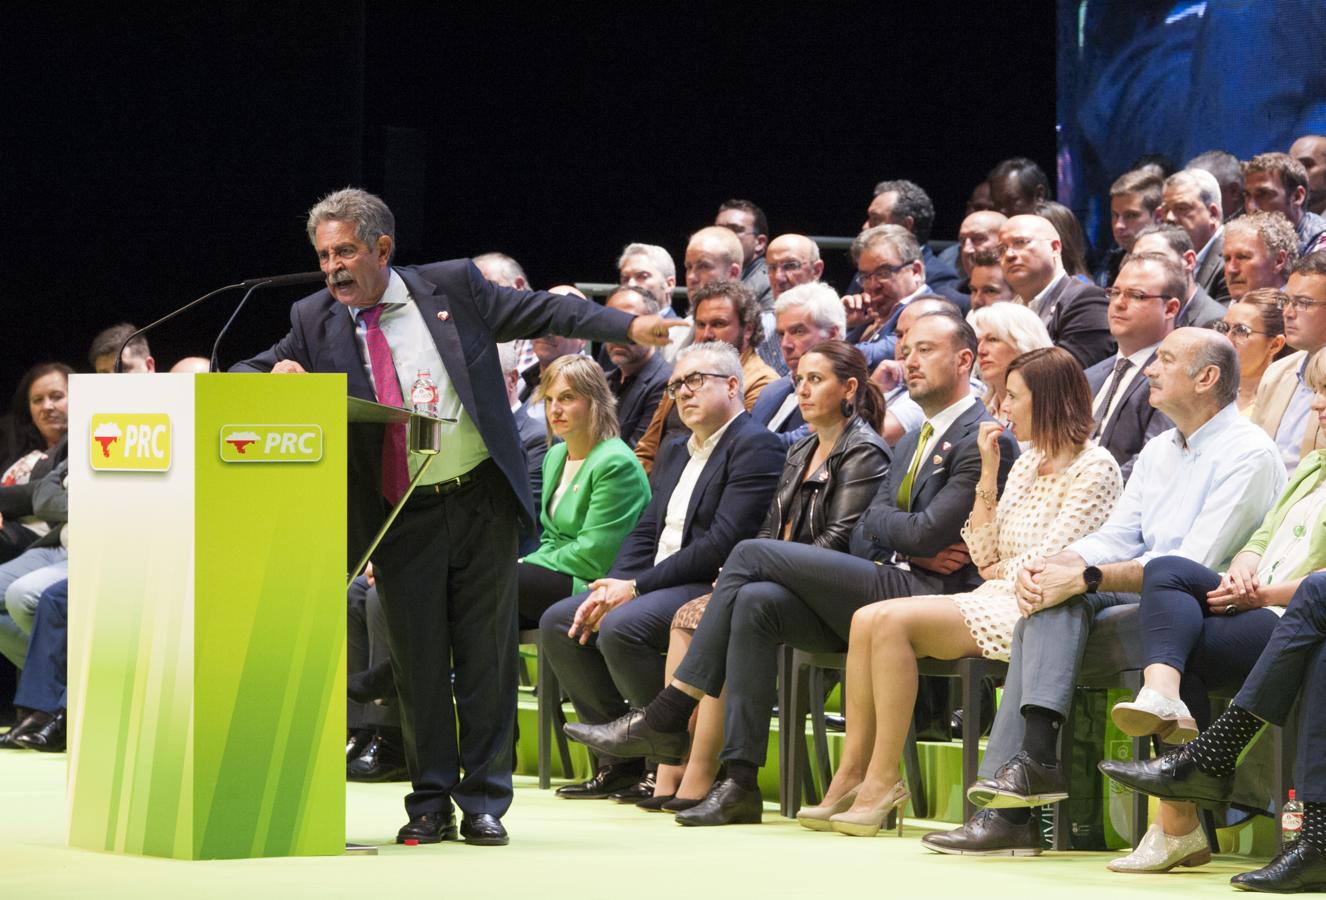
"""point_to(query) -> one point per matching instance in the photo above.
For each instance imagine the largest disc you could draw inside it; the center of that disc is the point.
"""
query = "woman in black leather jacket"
(828, 480)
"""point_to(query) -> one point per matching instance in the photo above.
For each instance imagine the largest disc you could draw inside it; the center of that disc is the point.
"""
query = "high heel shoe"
(816, 818)
(868, 822)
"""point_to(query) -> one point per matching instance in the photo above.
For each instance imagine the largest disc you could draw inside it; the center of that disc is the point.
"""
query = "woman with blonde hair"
(594, 488)
(1004, 331)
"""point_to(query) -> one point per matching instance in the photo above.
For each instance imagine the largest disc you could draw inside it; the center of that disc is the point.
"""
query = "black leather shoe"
(727, 803)
(641, 790)
(32, 722)
(606, 781)
(483, 830)
(1299, 867)
(49, 738)
(629, 736)
(655, 803)
(356, 742)
(987, 834)
(1021, 782)
(429, 828)
(381, 760)
(1170, 776)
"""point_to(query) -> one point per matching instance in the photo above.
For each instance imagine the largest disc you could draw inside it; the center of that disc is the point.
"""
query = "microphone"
(283, 280)
(251, 283)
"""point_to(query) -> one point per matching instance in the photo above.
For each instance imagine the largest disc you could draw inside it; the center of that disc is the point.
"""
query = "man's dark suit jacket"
(1201, 311)
(534, 439)
(944, 279)
(1075, 314)
(1134, 420)
(466, 315)
(942, 496)
(638, 400)
(1210, 275)
(728, 504)
(793, 428)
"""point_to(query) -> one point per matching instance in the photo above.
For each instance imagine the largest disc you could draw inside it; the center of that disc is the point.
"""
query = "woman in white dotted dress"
(1061, 489)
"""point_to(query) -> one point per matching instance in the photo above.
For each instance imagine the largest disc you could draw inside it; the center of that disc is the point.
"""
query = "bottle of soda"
(1291, 819)
(423, 395)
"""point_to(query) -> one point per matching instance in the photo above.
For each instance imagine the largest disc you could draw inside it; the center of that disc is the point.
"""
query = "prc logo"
(130, 442)
(271, 443)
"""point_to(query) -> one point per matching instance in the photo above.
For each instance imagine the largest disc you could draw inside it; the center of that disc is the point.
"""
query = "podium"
(207, 615)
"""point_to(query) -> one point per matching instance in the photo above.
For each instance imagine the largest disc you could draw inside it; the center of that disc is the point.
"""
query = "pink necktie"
(395, 469)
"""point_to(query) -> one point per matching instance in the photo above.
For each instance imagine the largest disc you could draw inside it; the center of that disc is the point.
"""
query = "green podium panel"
(207, 615)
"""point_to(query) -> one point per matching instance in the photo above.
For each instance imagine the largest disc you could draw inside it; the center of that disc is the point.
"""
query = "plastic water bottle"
(423, 395)
(1291, 819)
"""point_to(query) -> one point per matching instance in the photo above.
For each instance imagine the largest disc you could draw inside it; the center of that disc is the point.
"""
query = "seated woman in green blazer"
(594, 488)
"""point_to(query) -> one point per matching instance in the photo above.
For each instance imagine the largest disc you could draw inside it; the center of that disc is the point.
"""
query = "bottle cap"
(412, 842)
(1291, 794)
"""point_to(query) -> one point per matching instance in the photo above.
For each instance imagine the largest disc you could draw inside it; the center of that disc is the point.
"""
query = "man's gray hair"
(661, 258)
(1216, 350)
(369, 215)
(648, 299)
(509, 270)
(820, 300)
(1200, 180)
(721, 357)
(902, 240)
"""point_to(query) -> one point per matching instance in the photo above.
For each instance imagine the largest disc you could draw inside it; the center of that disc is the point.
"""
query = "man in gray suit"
(1073, 310)
(1191, 201)
(1196, 491)
(1199, 309)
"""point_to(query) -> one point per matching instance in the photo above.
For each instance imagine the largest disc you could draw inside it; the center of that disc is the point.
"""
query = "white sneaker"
(1160, 852)
(1154, 713)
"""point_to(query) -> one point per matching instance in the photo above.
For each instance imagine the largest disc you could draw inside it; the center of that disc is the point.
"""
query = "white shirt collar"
(396, 294)
(944, 419)
(1137, 359)
(1210, 242)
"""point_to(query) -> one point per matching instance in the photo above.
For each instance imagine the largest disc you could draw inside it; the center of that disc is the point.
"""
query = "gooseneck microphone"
(252, 284)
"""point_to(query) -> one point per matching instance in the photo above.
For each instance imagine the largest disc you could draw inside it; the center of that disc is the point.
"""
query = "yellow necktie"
(904, 498)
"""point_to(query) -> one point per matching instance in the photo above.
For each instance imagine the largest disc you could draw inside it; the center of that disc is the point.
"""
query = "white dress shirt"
(1138, 360)
(674, 520)
(1200, 499)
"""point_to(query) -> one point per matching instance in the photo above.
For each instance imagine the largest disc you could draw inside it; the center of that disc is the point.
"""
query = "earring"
(846, 409)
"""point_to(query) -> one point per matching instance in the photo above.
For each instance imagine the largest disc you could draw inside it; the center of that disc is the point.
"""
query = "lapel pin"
(444, 315)
(938, 459)
(947, 447)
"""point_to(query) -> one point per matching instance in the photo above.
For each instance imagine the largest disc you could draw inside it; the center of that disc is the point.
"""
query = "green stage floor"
(559, 849)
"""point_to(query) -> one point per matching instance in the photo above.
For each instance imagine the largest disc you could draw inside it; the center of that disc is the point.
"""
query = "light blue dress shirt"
(1200, 499)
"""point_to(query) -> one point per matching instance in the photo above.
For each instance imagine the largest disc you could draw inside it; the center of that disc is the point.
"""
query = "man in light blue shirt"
(1197, 491)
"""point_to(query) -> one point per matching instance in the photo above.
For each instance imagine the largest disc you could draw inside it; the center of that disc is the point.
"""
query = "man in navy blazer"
(804, 316)
(446, 569)
(640, 371)
(804, 596)
(1125, 418)
(711, 491)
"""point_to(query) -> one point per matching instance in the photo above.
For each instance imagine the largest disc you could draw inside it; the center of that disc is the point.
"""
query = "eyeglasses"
(1240, 331)
(791, 267)
(693, 383)
(882, 272)
(1018, 244)
(1132, 295)
(1298, 302)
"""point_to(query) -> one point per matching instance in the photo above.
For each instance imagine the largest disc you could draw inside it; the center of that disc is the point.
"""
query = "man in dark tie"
(446, 569)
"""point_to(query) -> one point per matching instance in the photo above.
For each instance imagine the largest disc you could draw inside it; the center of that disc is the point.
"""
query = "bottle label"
(1291, 822)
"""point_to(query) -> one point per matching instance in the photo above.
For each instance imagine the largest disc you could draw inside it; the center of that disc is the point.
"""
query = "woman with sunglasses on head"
(1255, 326)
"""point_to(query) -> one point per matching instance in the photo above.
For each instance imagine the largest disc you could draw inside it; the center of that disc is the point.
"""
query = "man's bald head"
(1031, 254)
(792, 259)
(979, 231)
(713, 252)
(1194, 375)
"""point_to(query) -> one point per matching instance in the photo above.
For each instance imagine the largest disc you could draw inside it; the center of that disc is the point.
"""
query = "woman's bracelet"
(988, 496)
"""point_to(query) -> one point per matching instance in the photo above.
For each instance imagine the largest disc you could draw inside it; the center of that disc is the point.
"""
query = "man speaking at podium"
(446, 568)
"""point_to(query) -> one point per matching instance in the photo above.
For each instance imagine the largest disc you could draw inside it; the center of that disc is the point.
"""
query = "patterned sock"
(1314, 825)
(1041, 740)
(1216, 750)
(670, 710)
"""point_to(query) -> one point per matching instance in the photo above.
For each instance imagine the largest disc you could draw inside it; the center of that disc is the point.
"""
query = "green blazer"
(598, 510)
(1305, 479)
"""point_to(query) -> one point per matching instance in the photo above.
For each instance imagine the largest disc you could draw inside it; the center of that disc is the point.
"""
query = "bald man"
(1074, 311)
(979, 231)
(792, 259)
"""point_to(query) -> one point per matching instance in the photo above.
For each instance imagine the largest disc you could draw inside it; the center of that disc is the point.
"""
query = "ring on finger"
(1230, 609)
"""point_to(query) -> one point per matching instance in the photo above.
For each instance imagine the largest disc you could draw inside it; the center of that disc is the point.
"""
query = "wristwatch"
(1093, 577)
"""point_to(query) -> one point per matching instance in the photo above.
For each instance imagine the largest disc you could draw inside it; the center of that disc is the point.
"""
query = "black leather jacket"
(824, 509)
